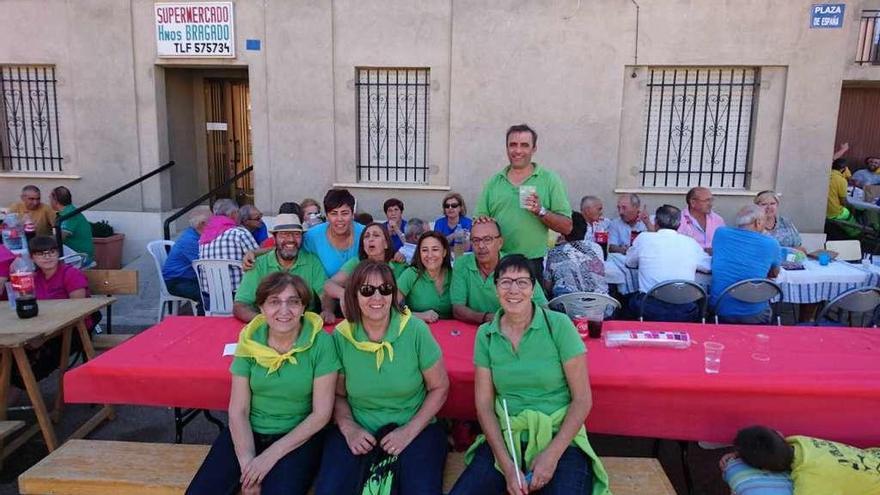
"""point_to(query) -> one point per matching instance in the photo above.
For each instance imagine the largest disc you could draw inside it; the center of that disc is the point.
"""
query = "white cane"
(510, 442)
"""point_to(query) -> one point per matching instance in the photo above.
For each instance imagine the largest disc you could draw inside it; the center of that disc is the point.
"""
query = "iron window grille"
(698, 127)
(29, 140)
(869, 38)
(392, 124)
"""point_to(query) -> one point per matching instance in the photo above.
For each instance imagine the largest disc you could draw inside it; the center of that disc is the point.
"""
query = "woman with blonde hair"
(777, 226)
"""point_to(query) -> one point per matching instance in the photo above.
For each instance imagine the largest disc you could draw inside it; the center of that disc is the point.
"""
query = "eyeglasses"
(45, 254)
(484, 240)
(522, 283)
(368, 290)
(451, 205)
(293, 302)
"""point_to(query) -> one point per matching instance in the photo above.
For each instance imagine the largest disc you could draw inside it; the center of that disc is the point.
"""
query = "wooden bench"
(99, 467)
(103, 341)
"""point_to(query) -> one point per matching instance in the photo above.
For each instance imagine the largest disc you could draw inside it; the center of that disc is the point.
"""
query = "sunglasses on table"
(451, 205)
(368, 290)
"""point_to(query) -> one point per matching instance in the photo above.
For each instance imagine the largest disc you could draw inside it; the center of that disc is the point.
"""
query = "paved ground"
(132, 314)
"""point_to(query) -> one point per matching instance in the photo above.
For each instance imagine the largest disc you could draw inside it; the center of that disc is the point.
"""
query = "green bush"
(101, 229)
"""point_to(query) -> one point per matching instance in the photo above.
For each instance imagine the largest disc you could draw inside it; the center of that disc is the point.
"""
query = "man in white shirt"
(662, 256)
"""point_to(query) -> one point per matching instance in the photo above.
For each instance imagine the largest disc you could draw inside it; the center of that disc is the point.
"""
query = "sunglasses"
(368, 290)
(451, 205)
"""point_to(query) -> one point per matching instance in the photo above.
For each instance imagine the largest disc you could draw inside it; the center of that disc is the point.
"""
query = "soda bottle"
(30, 227)
(21, 276)
(601, 238)
(12, 234)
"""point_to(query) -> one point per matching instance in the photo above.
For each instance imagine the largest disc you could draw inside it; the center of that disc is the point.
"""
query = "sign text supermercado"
(198, 29)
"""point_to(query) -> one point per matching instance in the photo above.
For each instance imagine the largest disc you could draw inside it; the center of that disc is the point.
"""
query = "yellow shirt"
(836, 194)
(821, 467)
(43, 217)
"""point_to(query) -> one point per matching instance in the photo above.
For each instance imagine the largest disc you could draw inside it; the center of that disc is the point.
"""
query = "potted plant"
(108, 246)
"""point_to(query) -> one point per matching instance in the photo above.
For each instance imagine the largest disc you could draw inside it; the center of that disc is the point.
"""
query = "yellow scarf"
(379, 348)
(268, 357)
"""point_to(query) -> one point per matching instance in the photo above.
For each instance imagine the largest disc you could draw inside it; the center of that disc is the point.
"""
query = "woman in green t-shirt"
(531, 375)
(283, 381)
(392, 377)
(425, 285)
(374, 244)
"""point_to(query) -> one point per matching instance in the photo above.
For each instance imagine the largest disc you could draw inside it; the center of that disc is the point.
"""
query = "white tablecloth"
(814, 284)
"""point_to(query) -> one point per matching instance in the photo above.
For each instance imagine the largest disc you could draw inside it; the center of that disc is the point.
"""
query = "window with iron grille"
(29, 140)
(698, 127)
(392, 116)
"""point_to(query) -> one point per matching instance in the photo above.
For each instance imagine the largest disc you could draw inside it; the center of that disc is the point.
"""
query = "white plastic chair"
(214, 274)
(813, 242)
(850, 250)
(75, 260)
(579, 303)
(167, 301)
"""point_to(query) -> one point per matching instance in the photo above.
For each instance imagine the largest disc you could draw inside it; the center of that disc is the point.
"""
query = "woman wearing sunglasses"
(425, 285)
(392, 374)
(283, 381)
(530, 367)
(454, 224)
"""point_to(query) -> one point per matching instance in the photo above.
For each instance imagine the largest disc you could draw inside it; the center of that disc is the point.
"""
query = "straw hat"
(287, 222)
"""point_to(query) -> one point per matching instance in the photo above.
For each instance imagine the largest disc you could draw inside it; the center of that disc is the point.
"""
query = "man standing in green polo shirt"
(286, 256)
(76, 231)
(526, 200)
(472, 291)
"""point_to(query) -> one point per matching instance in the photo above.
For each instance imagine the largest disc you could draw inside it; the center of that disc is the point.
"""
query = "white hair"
(225, 207)
(748, 214)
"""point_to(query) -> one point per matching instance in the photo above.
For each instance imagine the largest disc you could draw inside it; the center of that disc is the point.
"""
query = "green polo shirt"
(396, 268)
(421, 293)
(307, 266)
(532, 377)
(395, 392)
(470, 289)
(79, 231)
(523, 231)
(282, 400)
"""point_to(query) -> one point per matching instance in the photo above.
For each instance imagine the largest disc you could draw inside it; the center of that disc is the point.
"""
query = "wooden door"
(858, 123)
(228, 128)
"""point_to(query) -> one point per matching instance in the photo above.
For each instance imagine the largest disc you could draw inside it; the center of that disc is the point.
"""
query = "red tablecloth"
(823, 382)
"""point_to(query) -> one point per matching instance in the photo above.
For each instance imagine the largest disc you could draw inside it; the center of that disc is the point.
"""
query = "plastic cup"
(824, 258)
(713, 352)
(524, 193)
(762, 347)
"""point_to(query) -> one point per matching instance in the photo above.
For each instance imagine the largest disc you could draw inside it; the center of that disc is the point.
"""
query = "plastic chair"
(850, 250)
(75, 260)
(678, 292)
(159, 251)
(861, 300)
(813, 242)
(753, 290)
(578, 303)
(215, 275)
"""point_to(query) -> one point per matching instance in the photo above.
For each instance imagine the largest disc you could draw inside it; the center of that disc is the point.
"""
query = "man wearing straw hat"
(286, 256)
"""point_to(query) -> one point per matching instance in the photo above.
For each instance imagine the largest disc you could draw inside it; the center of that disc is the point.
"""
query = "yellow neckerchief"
(345, 328)
(265, 355)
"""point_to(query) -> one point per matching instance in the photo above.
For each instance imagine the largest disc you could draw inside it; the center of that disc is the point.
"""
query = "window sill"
(391, 185)
(682, 191)
(31, 175)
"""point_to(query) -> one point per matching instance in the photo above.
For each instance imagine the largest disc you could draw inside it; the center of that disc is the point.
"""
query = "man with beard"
(286, 256)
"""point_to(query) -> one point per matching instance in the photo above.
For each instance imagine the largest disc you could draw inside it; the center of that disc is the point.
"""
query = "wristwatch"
(542, 212)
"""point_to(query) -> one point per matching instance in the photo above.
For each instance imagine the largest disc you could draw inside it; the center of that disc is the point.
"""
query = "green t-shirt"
(421, 293)
(280, 401)
(307, 266)
(349, 266)
(532, 377)
(470, 289)
(395, 392)
(822, 467)
(79, 231)
(523, 231)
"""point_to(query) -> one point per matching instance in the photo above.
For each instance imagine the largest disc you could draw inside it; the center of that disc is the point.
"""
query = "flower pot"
(108, 251)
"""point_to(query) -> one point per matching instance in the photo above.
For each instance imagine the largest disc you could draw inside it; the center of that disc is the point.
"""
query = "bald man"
(698, 220)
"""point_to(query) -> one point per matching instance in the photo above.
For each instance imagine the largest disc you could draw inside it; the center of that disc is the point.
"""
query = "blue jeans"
(421, 465)
(291, 475)
(188, 288)
(657, 310)
(574, 474)
(762, 318)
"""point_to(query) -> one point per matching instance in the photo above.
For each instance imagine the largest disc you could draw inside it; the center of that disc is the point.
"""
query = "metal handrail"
(166, 226)
(100, 199)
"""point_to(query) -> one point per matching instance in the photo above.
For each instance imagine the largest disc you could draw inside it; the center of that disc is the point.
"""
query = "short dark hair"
(31, 188)
(389, 247)
(336, 198)
(521, 128)
(763, 448)
(364, 269)
(62, 195)
(668, 217)
(42, 243)
(276, 282)
(392, 202)
(514, 262)
(447, 259)
(363, 218)
(867, 159)
(690, 195)
(290, 207)
(838, 164)
(578, 227)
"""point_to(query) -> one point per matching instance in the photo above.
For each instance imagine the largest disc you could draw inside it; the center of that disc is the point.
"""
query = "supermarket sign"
(195, 29)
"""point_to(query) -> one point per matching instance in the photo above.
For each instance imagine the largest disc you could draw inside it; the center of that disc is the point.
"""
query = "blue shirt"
(183, 253)
(315, 241)
(396, 242)
(261, 234)
(739, 254)
(620, 232)
(442, 225)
